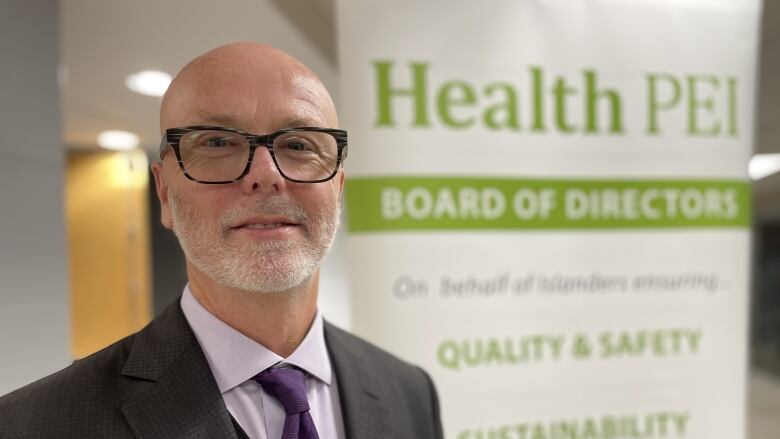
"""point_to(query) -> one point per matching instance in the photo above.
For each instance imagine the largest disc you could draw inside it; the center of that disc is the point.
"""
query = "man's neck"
(278, 321)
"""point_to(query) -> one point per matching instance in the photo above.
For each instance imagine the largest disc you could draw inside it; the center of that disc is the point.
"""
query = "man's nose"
(263, 174)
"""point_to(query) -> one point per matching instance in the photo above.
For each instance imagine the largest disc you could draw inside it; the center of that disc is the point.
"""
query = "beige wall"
(108, 234)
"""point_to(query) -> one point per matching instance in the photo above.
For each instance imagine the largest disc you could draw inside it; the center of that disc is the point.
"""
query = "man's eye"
(218, 143)
(298, 146)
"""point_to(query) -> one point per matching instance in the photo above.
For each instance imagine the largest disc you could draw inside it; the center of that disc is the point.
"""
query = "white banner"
(549, 208)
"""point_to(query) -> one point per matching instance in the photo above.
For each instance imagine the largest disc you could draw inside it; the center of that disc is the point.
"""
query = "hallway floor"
(763, 405)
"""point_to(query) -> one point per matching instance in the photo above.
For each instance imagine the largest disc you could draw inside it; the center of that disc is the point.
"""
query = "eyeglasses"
(219, 155)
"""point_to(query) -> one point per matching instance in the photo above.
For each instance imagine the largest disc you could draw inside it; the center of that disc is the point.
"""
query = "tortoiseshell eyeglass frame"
(172, 137)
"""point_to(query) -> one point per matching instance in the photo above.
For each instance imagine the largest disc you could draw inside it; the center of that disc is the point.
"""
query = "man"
(245, 352)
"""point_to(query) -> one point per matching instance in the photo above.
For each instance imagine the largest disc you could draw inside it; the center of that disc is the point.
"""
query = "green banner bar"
(466, 203)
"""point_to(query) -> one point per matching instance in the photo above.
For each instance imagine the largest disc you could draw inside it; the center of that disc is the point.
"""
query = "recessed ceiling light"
(117, 140)
(763, 165)
(149, 82)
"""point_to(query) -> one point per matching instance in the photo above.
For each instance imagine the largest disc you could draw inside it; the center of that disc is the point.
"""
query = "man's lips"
(266, 223)
(264, 226)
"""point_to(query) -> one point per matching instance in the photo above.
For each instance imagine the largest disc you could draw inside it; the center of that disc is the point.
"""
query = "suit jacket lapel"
(179, 397)
(360, 389)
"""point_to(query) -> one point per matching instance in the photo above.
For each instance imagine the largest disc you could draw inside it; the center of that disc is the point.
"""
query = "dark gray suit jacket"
(157, 384)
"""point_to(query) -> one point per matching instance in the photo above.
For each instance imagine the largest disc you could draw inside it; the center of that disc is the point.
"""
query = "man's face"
(263, 233)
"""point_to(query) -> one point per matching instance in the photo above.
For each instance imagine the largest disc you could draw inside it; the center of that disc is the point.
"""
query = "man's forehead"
(255, 96)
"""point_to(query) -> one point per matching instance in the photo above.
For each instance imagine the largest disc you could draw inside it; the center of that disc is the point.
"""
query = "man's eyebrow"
(225, 120)
(217, 119)
(297, 123)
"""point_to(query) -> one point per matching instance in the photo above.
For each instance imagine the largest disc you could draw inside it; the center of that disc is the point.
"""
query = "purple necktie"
(289, 387)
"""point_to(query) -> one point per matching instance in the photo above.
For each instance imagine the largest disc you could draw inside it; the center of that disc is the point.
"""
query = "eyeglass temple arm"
(164, 145)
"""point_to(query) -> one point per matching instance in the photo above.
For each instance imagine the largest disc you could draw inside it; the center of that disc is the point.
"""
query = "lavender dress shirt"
(235, 358)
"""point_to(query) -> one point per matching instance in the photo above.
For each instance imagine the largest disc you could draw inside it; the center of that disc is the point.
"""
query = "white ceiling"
(105, 40)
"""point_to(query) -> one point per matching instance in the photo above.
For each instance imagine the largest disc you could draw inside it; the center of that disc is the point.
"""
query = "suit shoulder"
(90, 378)
(367, 350)
(407, 388)
(384, 363)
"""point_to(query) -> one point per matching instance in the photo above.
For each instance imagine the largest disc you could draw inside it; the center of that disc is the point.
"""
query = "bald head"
(249, 86)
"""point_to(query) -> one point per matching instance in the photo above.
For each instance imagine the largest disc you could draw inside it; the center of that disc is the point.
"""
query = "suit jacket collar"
(182, 399)
(360, 388)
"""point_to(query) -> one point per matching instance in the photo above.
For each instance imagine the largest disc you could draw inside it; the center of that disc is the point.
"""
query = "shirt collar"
(235, 358)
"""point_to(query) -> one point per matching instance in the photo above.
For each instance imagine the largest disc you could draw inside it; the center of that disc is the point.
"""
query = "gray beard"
(265, 267)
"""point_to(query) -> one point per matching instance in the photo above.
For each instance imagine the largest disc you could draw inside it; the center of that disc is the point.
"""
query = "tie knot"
(288, 386)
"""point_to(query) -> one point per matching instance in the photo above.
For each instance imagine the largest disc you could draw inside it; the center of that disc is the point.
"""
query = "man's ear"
(162, 194)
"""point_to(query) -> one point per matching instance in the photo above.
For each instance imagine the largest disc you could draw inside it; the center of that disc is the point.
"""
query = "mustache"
(267, 207)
